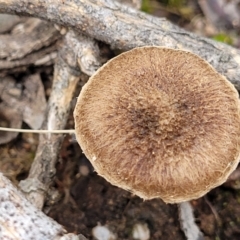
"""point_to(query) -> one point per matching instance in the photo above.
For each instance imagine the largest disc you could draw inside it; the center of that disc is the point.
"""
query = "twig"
(21, 220)
(66, 77)
(214, 211)
(34, 34)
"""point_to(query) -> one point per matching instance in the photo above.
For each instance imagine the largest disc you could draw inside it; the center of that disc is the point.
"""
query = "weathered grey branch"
(66, 77)
(125, 28)
(43, 56)
(30, 42)
(21, 220)
(31, 35)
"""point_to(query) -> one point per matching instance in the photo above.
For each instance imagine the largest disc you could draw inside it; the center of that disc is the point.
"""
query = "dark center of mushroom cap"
(161, 117)
(159, 120)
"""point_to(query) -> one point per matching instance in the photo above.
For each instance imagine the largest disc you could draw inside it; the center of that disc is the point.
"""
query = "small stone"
(84, 170)
(141, 231)
(102, 233)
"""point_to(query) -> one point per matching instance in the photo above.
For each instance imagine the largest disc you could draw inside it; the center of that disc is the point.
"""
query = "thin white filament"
(69, 131)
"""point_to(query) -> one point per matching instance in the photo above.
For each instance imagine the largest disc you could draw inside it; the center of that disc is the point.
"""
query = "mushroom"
(161, 123)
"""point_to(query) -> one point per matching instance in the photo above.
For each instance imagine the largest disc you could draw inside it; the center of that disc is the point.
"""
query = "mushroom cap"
(161, 123)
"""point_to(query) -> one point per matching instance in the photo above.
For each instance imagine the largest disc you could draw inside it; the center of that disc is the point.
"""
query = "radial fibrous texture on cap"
(160, 123)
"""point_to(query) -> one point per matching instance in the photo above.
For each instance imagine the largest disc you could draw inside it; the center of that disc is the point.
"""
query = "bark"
(125, 28)
(32, 35)
(30, 42)
(45, 56)
(20, 220)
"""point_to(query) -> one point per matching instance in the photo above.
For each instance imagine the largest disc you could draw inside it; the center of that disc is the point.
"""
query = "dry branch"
(125, 28)
(74, 50)
(30, 42)
(30, 36)
(19, 220)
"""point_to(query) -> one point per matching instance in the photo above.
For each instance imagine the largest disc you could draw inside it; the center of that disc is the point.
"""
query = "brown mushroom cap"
(160, 123)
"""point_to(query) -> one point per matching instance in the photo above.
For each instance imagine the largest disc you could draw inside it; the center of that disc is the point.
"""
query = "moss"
(223, 37)
(146, 6)
(176, 3)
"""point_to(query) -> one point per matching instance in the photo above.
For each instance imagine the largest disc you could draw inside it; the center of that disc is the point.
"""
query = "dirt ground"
(86, 200)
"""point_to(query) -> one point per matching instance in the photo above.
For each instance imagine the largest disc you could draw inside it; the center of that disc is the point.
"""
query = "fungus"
(161, 123)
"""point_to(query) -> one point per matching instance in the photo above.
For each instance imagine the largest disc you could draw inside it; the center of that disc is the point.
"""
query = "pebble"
(141, 231)
(102, 233)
